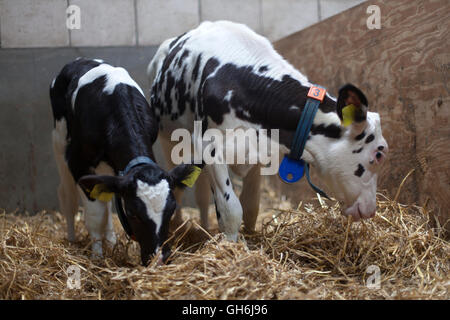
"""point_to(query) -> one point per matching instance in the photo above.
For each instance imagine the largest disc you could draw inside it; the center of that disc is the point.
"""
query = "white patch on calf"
(118, 76)
(326, 118)
(228, 96)
(114, 76)
(154, 198)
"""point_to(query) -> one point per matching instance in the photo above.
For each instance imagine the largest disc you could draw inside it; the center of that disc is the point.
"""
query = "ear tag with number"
(291, 170)
(191, 178)
(348, 115)
(100, 192)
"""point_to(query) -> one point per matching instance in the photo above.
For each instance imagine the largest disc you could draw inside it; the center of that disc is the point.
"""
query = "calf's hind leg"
(96, 217)
(67, 190)
(250, 196)
(167, 146)
(202, 198)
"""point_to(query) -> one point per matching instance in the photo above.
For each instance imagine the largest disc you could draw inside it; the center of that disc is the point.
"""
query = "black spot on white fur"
(359, 172)
(217, 211)
(330, 131)
(360, 136)
(263, 69)
(370, 138)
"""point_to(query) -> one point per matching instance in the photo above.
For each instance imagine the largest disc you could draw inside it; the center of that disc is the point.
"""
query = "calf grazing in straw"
(229, 77)
(103, 134)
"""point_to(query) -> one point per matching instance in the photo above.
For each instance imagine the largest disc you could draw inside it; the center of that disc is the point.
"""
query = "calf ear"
(184, 175)
(351, 105)
(102, 187)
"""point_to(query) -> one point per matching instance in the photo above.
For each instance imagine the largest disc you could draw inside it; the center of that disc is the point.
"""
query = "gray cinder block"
(105, 23)
(160, 20)
(31, 23)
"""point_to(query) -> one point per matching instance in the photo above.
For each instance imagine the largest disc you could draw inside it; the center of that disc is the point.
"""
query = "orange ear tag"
(317, 93)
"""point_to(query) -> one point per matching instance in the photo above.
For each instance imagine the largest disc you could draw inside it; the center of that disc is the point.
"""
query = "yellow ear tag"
(348, 115)
(190, 179)
(100, 192)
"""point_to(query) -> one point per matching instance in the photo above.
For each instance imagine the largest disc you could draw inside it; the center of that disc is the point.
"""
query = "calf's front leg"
(96, 220)
(228, 207)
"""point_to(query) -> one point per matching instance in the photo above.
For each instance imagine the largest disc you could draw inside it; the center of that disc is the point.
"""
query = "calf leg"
(202, 198)
(250, 196)
(110, 235)
(167, 146)
(96, 219)
(67, 190)
(228, 207)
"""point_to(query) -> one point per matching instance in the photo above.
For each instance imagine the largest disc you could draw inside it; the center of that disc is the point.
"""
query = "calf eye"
(380, 148)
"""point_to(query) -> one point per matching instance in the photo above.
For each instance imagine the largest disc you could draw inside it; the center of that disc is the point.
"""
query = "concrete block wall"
(42, 23)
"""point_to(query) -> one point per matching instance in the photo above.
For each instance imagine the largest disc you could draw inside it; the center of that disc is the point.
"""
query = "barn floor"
(308, 251)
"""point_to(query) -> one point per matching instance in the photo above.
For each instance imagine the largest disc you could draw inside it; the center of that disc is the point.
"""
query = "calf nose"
(383, 147)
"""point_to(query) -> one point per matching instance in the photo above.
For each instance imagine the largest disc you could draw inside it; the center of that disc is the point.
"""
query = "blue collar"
(135, 162)
(293, 167)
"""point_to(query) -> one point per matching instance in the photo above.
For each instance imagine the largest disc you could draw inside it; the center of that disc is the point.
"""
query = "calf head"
(349, 165)
(147, 193)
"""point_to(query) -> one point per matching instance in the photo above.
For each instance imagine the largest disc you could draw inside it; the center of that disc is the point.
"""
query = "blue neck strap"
(135, 162)
(294, 161)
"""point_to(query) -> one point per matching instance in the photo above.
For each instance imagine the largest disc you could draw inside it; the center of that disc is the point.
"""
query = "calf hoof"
(111, 240)
(97, 251)
(249, 231)
(232, 236)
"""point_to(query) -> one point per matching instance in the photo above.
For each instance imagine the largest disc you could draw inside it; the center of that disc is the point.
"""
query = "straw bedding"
(309, 251)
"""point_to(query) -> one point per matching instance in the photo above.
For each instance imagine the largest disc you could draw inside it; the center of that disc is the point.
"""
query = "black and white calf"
(102, 122)
(229, 77)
